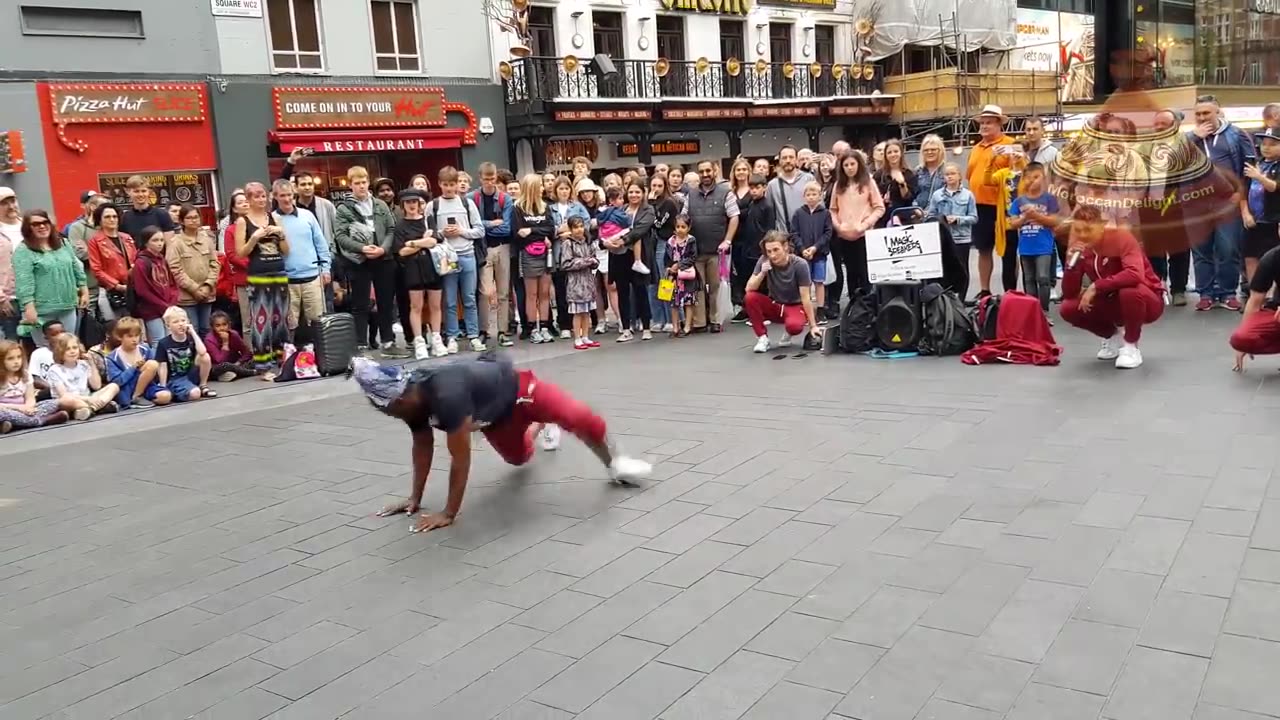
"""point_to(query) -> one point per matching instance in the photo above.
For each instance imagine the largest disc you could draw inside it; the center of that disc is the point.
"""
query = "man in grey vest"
(713, 221)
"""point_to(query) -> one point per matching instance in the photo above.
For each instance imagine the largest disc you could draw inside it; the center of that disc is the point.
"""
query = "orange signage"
(359, 107)
(108, 103)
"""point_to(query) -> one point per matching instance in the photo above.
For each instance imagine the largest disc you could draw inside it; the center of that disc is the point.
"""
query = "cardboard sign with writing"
(904, 252)
(364, 107)
(126, 103)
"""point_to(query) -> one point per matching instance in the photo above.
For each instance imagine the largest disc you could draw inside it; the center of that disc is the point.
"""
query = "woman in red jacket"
(153, 286)
(111, 258)
(1124, 293)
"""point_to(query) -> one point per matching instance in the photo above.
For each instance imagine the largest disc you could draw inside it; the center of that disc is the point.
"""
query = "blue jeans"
(9, 323)
(1217, 261)
(70, 324)
(199, 316)
(659, 310)
(155, 330)
(463, 281)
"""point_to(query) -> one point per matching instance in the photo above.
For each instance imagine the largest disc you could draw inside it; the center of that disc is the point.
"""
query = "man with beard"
(786, 191)
(713, 221)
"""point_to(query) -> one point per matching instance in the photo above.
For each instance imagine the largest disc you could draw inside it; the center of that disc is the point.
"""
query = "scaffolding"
(961, 89)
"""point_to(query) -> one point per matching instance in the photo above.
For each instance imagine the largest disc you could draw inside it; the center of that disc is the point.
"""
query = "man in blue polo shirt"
(307, 263)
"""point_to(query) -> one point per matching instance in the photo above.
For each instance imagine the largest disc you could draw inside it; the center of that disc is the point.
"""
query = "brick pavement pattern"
(825, 538)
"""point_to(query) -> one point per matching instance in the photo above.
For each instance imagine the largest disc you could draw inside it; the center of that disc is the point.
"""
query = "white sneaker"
(1111, 347)
(452, 346)
(646, 335)
(785, 341)
(477, 345)
(625, 336)
(565, 334)
(579, 342)
(602, 328)
(551, 437)
(420, 351)
(625, 469)
(438, 348)
(1129, 357)
(640, 267)
(668, 328)
(762, 344)
(397, 329)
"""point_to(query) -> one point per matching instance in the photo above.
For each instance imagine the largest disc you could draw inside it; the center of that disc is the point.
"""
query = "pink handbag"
(687, 274)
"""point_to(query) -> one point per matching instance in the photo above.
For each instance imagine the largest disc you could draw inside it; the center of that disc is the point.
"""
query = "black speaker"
(603, 66)
(898, 323)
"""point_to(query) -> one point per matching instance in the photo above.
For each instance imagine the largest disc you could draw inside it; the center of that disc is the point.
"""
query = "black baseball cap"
(1268, 133)
(88, 195)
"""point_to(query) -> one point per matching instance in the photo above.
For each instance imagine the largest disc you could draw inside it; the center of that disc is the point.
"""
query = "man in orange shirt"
(993, 152)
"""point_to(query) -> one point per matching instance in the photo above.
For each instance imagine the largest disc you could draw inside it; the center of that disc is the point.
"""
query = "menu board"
(195, 188)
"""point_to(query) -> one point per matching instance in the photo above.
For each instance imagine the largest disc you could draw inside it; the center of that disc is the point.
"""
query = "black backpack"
(858, 323)
(948, 330)
(986, 316)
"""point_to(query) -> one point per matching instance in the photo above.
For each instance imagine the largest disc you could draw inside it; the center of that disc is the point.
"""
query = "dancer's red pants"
(761, 307)
(1258, 334)
(540, 402)
(1129, 308)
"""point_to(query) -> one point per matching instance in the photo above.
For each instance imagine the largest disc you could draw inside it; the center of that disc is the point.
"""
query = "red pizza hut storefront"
(103, 133)
(394, 132)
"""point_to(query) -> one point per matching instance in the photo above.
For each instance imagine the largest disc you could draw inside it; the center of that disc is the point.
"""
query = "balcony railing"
(541, 79)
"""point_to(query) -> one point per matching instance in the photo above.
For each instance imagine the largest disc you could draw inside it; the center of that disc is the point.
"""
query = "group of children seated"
(65, 381)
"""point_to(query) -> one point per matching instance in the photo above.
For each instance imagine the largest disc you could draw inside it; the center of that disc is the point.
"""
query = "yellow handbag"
(666, 289)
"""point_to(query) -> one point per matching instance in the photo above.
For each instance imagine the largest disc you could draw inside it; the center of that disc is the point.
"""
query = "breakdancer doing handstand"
(486, 393)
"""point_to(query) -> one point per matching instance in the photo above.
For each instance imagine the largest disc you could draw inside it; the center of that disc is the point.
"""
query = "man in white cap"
(486, 393)
(10, 236)
(993, 152)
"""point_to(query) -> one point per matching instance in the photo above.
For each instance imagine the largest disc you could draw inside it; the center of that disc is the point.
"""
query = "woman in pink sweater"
(856, 206)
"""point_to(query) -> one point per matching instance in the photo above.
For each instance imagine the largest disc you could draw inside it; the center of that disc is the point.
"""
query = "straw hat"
(994, 111)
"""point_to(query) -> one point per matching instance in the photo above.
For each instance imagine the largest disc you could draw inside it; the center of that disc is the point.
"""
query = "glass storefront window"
(330, 171)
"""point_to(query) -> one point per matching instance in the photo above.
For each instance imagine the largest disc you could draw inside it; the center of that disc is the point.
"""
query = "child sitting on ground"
(184, 362)
(614, 221)
(76, 383)
(132, 366)
(18, 405)
(231, 357)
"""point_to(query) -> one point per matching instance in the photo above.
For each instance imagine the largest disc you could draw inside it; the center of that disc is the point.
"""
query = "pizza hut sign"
(111, 103)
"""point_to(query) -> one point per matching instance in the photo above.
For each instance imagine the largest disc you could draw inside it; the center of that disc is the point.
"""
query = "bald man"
(839, 148)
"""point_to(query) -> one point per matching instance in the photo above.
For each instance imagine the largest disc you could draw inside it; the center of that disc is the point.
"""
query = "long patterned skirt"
(269, 329)
(44, 408)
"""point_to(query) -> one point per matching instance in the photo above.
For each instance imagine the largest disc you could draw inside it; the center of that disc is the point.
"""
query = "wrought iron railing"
(548, 78)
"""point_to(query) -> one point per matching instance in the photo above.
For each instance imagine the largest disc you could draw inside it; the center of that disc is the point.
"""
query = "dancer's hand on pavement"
(431, 521)
(1239, 366)
(404, 506)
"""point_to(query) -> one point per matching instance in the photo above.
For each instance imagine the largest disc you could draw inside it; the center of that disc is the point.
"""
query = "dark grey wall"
(19, 111)
(242, 116)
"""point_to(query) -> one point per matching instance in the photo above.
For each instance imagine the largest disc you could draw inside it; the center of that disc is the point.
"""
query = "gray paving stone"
(828, 512)
(731, 689)
(436, 640)
(1156, 685)
(946, 710)
(557, 611)
(1224, 521)
(252, 704)
(936, 513)
(693, 565)
(1119, 597)
(886, 616)
(906, 676)
(1208, 564)
(936, 568)
(724, 633)
(505, 686)
(526, 710)
(847, 539)
(1076, 555)
(1184, 623)
(684, 612)
(794, 578)
(1026, 627)
(797, 702)
(686, 535)
(835, 665)
(1242, 675)
(1205, 711)
(971, 533)
(317, 638)
(205, 693)
(596, 626)
(1110, 510)
(1086, 656)
(622, 573)
(986, 681)
(779, 546)
(661, 519)
(1044, 702)
(844, 591)
(902, 541)
(587, 680)
(645, 694)
(1150, 545)
(1254, 611)
(1044, 519)
(792, 636)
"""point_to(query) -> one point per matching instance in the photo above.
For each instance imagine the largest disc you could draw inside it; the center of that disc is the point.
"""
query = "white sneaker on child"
(640, 267)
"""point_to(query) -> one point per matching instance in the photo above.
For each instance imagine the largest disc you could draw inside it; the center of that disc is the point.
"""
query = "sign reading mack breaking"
(716, 7)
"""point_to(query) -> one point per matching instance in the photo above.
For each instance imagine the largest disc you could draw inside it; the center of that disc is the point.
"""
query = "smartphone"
(308, 151)
(452, 221)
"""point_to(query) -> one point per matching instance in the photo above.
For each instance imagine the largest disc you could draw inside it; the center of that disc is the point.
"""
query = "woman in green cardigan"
(51, 283)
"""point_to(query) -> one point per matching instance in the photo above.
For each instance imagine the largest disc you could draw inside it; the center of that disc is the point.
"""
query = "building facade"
(204, 95)
(686, 79)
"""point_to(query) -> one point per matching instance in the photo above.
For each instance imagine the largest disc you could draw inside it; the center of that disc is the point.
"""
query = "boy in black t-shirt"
(142, 213)
(184, 361)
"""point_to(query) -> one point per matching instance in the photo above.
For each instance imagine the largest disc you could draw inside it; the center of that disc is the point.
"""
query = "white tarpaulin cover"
(989, 24)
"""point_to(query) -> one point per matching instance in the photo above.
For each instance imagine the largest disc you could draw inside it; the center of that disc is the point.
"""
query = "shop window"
(671, 37)
(81, 22)
(732, 43)
(395, 35)
(1038, 4)
(542, 31)
(295, 35)
(824, 44)
(779, 42)
(608, 33)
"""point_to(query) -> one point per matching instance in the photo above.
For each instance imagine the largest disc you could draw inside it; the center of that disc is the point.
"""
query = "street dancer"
(486, 393)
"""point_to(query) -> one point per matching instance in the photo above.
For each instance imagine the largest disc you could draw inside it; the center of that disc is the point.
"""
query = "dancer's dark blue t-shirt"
(482, 388)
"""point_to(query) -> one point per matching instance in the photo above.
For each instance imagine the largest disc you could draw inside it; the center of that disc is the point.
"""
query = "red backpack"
(1021, 335)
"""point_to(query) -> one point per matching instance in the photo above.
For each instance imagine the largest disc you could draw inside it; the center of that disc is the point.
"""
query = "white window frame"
(1221, 75)
(1255, 74)
(1255, 26)
(1223, 30)
(395, 38)
(298, 54)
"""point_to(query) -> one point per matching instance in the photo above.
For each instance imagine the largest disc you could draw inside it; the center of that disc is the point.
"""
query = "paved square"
(825, 538)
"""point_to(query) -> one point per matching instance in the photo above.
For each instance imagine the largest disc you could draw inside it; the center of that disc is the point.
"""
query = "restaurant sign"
(126, 103)
(661, 147)
(195, 188)
(359, 107)
(801, 4)
(712, 7)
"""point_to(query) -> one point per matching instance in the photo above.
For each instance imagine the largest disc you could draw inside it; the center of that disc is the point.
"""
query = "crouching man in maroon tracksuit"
(1259, 330)
(1124, 294)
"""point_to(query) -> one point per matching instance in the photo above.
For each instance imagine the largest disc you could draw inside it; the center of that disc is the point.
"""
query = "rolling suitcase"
(334, 338)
